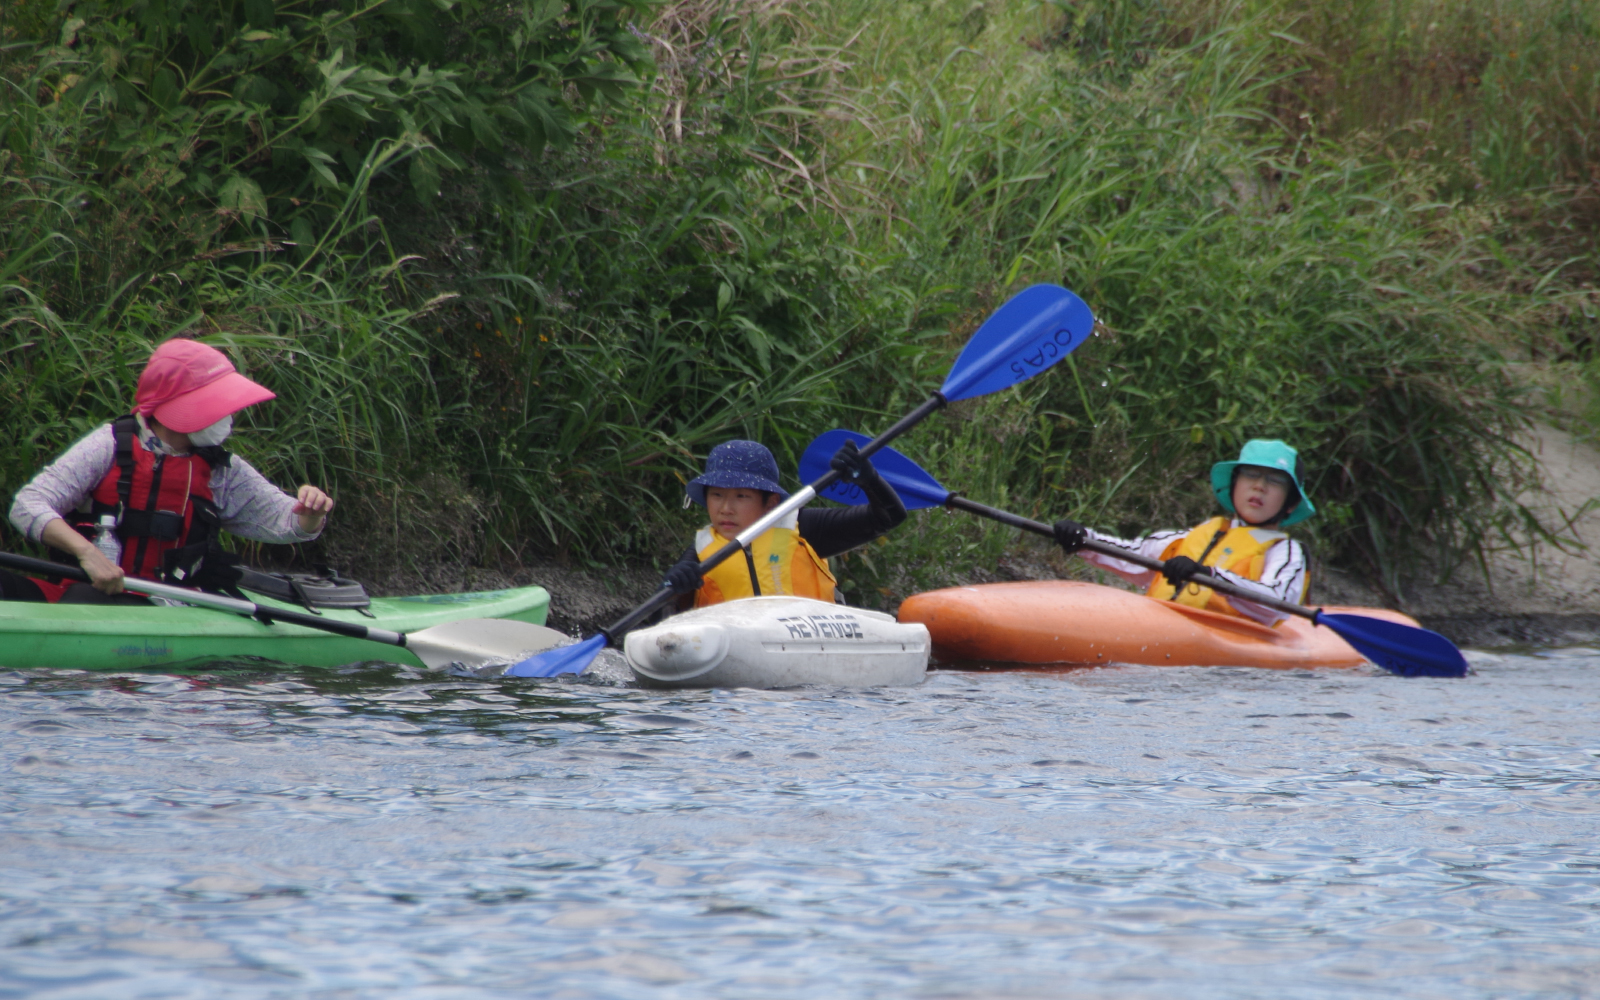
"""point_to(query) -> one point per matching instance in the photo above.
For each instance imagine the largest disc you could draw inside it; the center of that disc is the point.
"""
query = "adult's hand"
(106, 576)
(1179, 570)
(1070, 535)
(312, 505)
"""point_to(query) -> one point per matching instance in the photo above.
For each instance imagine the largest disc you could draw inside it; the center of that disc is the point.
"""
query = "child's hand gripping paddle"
(1036, 328)
(1400, 649)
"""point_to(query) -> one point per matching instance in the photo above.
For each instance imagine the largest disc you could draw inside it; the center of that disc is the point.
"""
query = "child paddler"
(1263, 494)
(740, 485)
(147, 494)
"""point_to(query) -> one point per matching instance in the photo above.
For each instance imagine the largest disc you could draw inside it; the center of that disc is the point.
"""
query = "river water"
(1121, 832)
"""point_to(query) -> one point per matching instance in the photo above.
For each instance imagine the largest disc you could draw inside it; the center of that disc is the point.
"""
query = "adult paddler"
(148, 494)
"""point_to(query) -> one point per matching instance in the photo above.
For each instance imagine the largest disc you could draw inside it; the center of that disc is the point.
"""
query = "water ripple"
(1133, 831)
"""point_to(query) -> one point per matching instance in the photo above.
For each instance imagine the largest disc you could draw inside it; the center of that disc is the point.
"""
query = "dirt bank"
(1552, 598)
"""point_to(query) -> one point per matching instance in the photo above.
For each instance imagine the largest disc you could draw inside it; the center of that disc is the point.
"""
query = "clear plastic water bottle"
(106, 539)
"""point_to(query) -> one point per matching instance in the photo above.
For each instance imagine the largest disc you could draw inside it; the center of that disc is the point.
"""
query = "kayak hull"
(138, 637)
(766, 642)
(1071, 623)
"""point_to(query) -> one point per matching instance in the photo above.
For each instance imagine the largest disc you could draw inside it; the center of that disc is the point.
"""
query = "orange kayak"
(1066, 622)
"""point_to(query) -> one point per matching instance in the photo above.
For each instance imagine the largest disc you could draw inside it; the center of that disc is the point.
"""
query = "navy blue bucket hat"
(737, 465)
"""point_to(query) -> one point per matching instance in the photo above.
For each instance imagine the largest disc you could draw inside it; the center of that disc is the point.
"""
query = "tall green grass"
(1501, 102)
(1503, 94)
(794, 227)
(1248, 289)
(1493, 105)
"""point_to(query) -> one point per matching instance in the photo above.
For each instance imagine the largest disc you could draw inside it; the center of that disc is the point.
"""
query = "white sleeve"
(62, 485)
(252, 507)
(1283, 577)
(1150, 547)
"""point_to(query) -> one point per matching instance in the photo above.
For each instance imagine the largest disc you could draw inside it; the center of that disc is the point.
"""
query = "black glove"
(888, 510)
(849, 464)
(1070, 535)
(1179, 570)
(684, 578)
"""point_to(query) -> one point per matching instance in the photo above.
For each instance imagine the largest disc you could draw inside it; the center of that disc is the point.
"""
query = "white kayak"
(766, 642)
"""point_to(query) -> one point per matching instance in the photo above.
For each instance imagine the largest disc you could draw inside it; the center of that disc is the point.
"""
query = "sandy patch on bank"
(1552, 597)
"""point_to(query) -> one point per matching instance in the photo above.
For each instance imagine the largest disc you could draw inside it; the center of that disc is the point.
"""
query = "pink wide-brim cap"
(205, 406)
(188, 385)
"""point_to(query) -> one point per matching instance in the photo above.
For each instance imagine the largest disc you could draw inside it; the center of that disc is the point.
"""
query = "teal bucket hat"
(1268, 455)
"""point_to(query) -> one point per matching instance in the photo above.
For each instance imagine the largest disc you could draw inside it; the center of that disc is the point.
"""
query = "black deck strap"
(328, 588)
(271, 584)
(322, 587)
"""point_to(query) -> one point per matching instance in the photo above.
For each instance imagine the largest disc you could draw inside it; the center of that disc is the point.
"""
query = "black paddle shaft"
(1040, 528)
(662, 597)
(267, 616)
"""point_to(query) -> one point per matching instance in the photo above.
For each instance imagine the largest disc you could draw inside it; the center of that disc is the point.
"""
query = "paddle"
(1400, 649)
(473, 642)
(1034, 329)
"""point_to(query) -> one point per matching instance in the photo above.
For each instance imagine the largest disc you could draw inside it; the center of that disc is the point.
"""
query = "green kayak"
(131, 637)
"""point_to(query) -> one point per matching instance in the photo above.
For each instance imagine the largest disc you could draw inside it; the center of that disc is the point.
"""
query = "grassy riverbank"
(792, 220)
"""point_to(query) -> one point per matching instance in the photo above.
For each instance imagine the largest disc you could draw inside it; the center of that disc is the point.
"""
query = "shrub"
(793, 227)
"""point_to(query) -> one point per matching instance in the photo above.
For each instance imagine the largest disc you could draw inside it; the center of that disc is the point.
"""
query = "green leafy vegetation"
(530, 261)
(1502, 95)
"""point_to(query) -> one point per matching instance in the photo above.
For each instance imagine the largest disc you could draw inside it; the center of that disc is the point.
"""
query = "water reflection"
(1134, 831)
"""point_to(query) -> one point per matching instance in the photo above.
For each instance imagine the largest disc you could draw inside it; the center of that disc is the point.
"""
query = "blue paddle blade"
(1036, 328)
(917, 489)
(564, 660)
(1401, 649)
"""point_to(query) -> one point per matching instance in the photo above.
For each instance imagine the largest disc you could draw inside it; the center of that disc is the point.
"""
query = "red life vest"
(166, 519)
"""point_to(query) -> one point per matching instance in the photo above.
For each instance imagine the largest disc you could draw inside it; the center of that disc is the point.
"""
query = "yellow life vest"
(779, 561)
(1241, 550)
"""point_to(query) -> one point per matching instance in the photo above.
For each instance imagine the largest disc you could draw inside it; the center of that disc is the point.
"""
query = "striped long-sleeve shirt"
(251, 507)
(1283, 575)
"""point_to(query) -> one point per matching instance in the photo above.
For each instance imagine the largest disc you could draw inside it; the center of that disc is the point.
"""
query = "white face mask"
(217, 433)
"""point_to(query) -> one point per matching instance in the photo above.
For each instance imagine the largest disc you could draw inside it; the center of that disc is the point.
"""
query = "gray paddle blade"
(478, 642)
